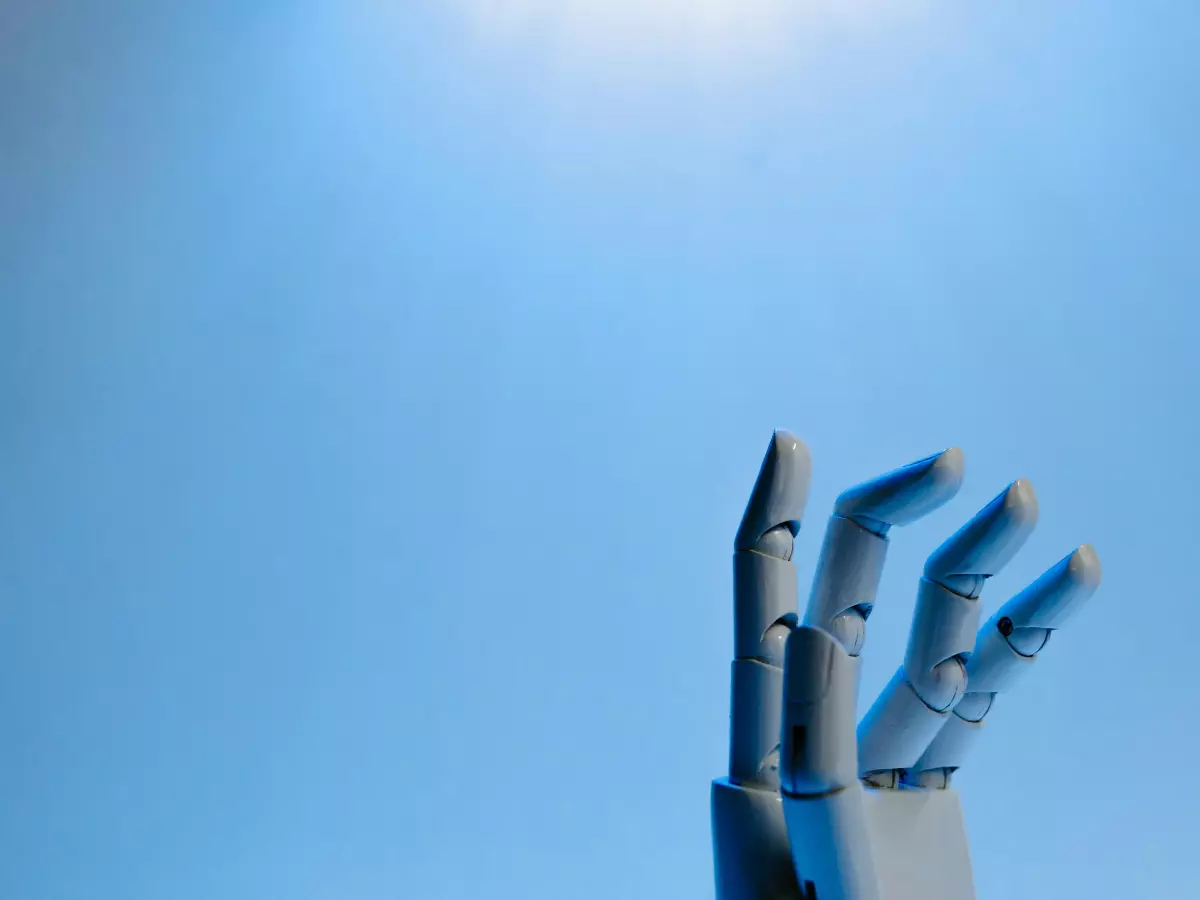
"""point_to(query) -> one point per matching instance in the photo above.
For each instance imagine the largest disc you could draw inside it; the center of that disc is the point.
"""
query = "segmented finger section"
(764, 586)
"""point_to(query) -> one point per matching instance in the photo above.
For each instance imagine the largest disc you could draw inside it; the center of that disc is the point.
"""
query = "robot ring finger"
(814, 807)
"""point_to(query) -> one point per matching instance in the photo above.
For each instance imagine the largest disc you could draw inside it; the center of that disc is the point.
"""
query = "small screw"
(1006, 626)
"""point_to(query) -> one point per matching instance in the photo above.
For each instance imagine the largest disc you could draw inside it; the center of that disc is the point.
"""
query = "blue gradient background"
(383, 383)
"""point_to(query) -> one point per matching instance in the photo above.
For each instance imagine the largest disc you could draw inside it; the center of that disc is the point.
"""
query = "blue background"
(383, 383)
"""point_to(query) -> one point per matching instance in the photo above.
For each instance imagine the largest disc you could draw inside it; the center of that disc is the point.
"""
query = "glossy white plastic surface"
(815, 808)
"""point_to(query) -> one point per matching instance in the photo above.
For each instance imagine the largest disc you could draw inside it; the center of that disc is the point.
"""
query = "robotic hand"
(811, 809)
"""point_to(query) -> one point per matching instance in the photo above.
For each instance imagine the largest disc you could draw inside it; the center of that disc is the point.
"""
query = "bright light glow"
(719, 29)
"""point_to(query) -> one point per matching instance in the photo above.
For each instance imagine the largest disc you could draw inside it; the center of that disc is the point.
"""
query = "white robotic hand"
(811, 809)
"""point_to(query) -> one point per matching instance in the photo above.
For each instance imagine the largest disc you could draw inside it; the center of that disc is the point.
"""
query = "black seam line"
(912, 687)
(1035, 653)
(821, 796)
(790, 619)
(964, 718)
(769, 665)
(763, 555)
(946, 587)
(761, 787)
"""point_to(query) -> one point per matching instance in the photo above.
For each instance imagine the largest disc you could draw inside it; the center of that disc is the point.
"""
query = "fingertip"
(904, 495)
(787, 442)
(1020, 504)
(983, 546)
(1084, 565)
(780, 492)
(948, 471)
(1062, 589)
